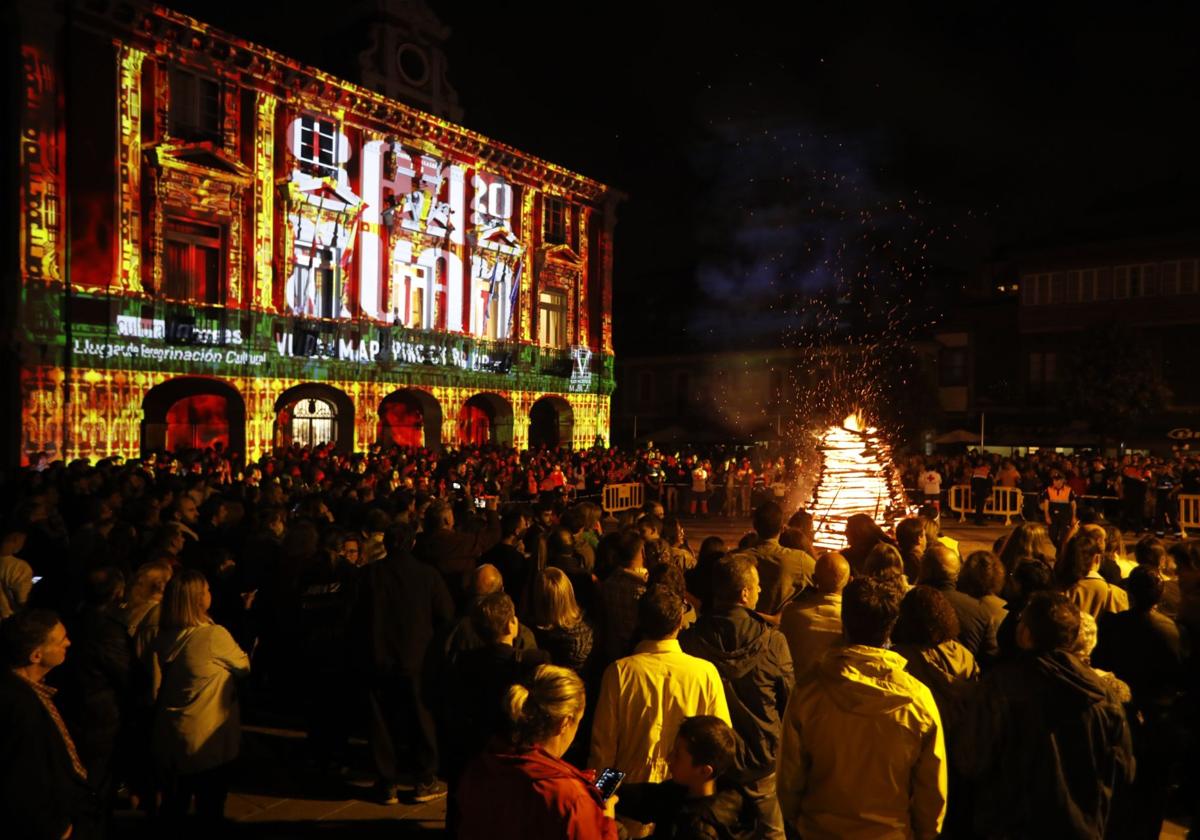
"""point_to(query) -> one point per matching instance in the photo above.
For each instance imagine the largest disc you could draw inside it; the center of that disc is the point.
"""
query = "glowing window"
(192, 264)
(318, 144)
(312, 423)
(195, 107)
(552, 318)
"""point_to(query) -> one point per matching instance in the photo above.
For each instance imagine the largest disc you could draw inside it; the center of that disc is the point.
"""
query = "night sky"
(767, 157)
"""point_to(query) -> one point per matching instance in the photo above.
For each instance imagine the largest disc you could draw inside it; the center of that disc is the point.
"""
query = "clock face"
(412, 64)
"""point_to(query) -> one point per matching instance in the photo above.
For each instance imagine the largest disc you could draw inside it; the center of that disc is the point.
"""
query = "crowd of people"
(493, 638)
(1139, 492)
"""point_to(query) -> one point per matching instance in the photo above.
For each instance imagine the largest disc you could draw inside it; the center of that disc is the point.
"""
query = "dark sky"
(745, 136)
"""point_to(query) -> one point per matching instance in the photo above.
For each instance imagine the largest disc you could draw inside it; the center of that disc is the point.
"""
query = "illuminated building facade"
(218, 244)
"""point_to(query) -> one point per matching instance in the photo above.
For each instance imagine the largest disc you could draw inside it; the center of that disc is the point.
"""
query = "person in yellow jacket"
(863, 754)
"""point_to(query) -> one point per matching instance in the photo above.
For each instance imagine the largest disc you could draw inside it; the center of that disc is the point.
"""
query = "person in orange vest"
(981, 487)
(1058, 509)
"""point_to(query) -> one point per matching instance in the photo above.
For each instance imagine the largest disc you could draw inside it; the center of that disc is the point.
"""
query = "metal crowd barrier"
(1004, 501)
(1189, 514)
(621, 497)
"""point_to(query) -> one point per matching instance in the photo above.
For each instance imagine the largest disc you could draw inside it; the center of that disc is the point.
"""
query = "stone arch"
(193, 412)
(343, 419)
(551, 422)
(485, 418)
(410, 417)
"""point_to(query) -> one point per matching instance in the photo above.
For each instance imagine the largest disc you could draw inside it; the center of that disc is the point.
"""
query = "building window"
(193, 262)
(312, 423)
(556, 221)
(1087, 289)
(316, 293)
(195, 107)
(1168, 273)
(552, 318)
(952, 367)
(1043, 373)
(646, 388)
(318, 144)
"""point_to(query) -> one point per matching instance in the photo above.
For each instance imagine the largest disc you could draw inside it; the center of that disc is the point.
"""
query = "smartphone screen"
(608, 780)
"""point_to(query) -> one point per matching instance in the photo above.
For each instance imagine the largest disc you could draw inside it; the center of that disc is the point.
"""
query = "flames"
(858, 475)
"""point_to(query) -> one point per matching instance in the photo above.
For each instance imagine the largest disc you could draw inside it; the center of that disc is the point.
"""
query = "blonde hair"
(183, 600)
(1086, 642)
(149, 582)
(538, 708)
(553, 600)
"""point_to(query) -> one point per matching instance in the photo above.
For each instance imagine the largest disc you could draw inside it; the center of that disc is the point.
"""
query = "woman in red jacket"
(525, 791)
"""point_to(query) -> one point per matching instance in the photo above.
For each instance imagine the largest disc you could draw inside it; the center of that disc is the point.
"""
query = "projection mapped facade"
(220, 245)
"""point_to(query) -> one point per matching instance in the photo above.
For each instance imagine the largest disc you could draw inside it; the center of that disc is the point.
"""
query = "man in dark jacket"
(1142, 647)
(454, 553)
(755, 665)
(939, 569)
(44, 792)
(403, 603)
(1045, 742)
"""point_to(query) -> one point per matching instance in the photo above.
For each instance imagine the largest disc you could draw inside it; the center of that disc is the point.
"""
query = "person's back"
(644, 697)
(756, 672)
(1045, 741)
(863, 753)
(783, 572)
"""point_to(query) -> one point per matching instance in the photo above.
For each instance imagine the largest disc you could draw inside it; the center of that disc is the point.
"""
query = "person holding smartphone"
(523, 790)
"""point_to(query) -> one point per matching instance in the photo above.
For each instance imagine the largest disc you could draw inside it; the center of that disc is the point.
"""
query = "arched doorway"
(314, 415)
(193, 413)
(485, 418)
(410, 417)
(551, 423)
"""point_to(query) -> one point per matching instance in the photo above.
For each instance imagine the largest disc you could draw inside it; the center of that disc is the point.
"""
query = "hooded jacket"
(1046, 743)
(863, 754)
(755, 666)
(198, 725)
(519, 794)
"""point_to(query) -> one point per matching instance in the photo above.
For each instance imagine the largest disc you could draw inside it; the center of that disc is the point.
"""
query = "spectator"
(884, 560)
(926, 635)
(16, 576)
(403, 604)
(910, 537)
(619, 597)
(977, 632)
(524, 790)
(1142, 648)
(197, 729)
(755, 666)
(644, 697)
(863, 752)
(932, 517)
(699, 579)
(559, 624)
(1051, 716)
(1078, 573)
(813, 624)
(697, 802)
(783, 572)
(44, 791)
(1150, 551)
(862, 535)
(801, 526)
(454, 553)
(509, 558)
(463, 636)
(982, 578)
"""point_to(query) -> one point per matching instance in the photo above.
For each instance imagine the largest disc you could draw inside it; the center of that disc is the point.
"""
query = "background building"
(1110, 319)
(218, 244)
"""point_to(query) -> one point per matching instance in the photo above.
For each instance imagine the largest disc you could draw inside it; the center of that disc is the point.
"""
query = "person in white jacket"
(197, 726)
